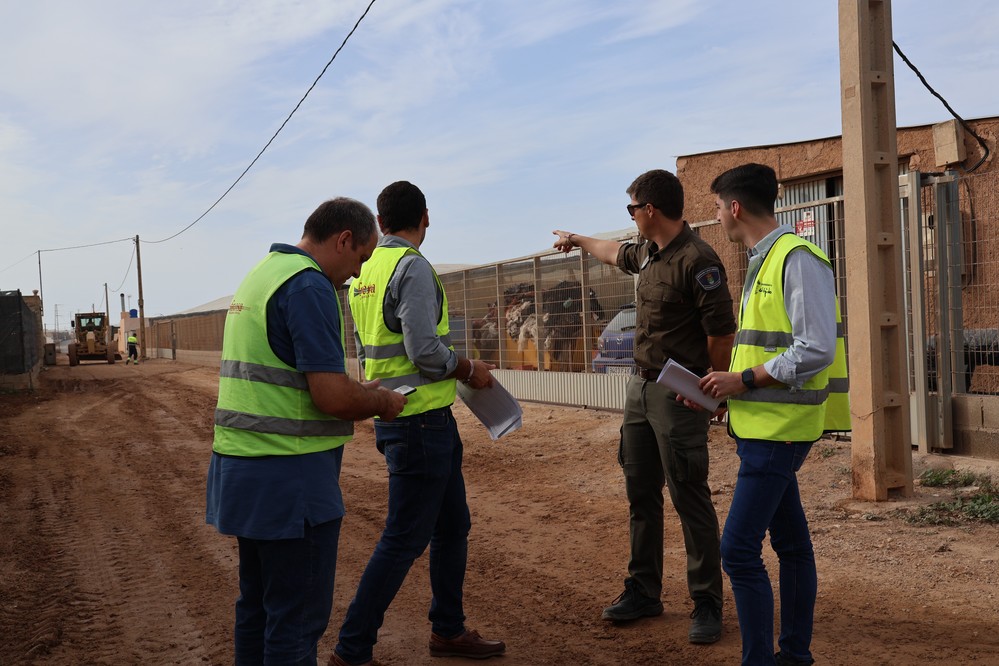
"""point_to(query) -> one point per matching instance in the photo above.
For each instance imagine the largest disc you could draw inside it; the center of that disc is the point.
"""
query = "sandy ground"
(105, 557)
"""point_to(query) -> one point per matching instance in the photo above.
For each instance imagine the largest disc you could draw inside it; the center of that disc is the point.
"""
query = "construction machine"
(92, 339)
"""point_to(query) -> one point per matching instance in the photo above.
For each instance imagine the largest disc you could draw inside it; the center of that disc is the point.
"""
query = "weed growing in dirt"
(826, 451)
(952, 478)
(981, 505)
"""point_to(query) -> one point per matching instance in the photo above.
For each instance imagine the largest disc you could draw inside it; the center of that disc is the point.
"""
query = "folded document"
(677, 378)
(499, 411)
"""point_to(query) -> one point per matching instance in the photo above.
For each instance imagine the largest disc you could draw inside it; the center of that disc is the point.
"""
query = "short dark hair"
(754, 186)
(661, 189)
(338, 215)
(401, 206)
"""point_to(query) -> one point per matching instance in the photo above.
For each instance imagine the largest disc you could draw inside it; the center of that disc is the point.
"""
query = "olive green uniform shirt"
(682, 297)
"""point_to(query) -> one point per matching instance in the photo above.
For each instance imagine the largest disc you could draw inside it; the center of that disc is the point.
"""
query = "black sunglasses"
(633, 207)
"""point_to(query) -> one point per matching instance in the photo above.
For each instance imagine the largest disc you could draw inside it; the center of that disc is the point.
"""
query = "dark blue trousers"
(285, 596)
(426, 506)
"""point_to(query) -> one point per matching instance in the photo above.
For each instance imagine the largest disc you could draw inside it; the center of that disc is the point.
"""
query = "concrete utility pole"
(879, 400)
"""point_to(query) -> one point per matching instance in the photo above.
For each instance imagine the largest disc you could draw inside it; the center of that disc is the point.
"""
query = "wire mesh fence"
(979, 249)
(572, 313)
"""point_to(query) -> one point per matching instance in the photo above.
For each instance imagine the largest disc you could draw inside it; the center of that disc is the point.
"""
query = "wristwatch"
(748, 378)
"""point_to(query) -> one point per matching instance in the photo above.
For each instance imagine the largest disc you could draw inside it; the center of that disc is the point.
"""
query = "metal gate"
(952, 297)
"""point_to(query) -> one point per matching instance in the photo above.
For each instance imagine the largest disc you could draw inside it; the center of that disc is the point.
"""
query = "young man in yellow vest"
(286, 407)
(787, 386)
(401, 315)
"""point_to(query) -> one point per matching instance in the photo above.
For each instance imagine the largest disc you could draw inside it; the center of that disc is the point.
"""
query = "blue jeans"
(285, 596)
(766, 498)
(426, 506)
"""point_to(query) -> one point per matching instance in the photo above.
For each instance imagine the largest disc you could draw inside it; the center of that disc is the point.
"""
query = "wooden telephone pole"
(142, 309)
(879, 392)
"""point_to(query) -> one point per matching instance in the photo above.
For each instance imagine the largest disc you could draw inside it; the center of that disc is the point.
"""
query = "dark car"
(616, 344)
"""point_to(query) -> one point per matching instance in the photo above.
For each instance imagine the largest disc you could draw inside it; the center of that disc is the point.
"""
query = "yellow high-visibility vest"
(778, 412)
(264, 406)
(384, 351)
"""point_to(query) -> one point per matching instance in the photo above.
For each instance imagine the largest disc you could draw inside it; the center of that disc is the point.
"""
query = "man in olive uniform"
(684, 312)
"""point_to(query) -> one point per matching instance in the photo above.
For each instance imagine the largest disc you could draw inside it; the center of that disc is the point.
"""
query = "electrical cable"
(933, 92)
(77, 247)
(118, 288)
(267, 145)
(19, 262)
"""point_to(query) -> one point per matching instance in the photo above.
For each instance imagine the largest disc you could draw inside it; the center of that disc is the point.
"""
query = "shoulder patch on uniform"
(709, 278)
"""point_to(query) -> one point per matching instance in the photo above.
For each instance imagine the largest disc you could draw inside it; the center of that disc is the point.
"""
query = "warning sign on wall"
(805, 227)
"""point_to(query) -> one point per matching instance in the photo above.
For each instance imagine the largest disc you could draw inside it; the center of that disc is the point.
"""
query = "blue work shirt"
(275, 496)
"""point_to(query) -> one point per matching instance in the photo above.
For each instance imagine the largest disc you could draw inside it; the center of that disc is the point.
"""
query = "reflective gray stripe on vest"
(771, 339)
(414, 380)
(786, 397)
(275, 425)
(254, 372)
(763, 338)
(382, 352)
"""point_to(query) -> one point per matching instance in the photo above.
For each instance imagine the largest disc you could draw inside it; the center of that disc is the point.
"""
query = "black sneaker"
(632, 605)
(706, 623)
(788, 661)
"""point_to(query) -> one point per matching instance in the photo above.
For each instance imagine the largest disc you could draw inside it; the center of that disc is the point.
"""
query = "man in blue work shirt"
(286, 407)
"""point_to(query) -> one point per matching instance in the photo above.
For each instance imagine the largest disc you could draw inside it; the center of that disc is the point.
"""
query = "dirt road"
(105, 557)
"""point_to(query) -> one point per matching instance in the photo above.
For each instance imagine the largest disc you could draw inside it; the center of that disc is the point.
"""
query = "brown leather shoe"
(468, 644)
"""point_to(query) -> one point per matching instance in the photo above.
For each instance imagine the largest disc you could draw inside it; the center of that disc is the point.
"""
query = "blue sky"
(515, 117)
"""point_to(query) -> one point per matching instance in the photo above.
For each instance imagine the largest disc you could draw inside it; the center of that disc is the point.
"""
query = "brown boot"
(468, 644)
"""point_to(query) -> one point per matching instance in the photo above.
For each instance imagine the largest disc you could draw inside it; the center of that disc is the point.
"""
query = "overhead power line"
(125, 277)
(271, 140)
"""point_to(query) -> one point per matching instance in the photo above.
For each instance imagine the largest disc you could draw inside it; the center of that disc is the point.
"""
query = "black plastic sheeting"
(19, 335)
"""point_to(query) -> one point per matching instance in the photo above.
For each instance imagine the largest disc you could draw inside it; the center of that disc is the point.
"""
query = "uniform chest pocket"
(663, 303)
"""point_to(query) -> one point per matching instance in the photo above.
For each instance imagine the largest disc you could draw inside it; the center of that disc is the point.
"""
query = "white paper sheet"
(677, 378)
(498, 411)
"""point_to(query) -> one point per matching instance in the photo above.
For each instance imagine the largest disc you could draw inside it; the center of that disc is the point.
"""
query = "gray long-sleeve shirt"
(413, 305)
(807, 281)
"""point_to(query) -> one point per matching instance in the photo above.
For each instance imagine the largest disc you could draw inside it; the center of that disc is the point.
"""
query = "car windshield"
(622, 321)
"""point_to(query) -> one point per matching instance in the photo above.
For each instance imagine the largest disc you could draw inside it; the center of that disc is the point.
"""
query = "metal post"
(923, 436)
(500, 320)
(951, 217)
(539, 315)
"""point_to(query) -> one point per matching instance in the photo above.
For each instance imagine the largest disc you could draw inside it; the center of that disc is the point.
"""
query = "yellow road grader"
(92, 339)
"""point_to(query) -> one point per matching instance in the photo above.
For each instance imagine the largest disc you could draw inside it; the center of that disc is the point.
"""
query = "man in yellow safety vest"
(787, 386)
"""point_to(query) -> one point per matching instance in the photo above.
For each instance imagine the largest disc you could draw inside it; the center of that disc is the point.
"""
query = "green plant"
(982, 505)
(951, 478)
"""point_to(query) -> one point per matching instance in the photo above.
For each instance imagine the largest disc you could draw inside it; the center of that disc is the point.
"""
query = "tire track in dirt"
(137, 590)
(106, 557)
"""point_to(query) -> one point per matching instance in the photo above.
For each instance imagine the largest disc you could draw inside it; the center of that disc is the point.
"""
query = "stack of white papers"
(499, 411)
(677, 378)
